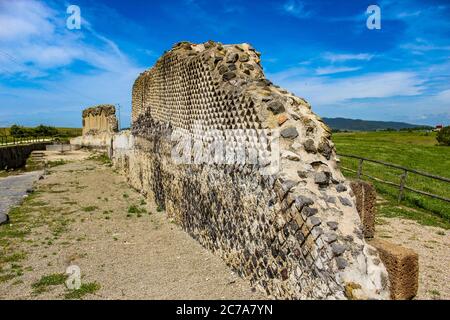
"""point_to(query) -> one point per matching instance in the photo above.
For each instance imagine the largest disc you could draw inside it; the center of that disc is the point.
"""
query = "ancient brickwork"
(293, 231)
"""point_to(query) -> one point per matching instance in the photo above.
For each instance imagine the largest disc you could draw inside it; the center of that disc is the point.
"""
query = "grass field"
(415, 150)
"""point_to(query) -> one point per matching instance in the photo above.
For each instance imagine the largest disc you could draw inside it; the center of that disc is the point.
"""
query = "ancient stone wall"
(272, 203)
(13, 157)
(98, 119)
(99, 126)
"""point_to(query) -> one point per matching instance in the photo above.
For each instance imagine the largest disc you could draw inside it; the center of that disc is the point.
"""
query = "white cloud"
(45, 43)
(444, 96)
(335, 57)
(20, 19)
(409, 14)
(333, 70)
(329, 91)
(296, 8)
(39, 49)
(421, 46)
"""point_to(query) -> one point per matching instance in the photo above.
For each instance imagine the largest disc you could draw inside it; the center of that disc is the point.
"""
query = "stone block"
(402, 265)
(366, 197)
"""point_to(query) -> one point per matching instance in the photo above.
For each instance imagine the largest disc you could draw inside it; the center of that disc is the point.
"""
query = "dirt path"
(433, 246)
(84, 214)
(14, 188)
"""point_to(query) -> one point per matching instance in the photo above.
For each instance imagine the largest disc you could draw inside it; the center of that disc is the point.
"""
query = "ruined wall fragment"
(99, 126)
(292, 230)
(99, 119)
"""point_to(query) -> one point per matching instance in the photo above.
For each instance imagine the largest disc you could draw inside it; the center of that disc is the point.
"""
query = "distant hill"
(367, 125)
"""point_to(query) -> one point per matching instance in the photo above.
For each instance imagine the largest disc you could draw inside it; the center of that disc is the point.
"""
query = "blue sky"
(320, 50)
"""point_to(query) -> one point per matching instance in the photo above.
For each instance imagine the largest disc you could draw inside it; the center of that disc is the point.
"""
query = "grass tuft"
(85, 288)
(90, 208)
(47, 281)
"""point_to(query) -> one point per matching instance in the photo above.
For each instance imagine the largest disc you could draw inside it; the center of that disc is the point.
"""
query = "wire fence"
(402, 186)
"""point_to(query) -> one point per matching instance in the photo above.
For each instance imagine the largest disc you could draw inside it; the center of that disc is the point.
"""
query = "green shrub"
(443, 136)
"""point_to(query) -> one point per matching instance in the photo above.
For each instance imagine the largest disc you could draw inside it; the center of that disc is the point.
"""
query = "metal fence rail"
(12, 140)
(402, 186)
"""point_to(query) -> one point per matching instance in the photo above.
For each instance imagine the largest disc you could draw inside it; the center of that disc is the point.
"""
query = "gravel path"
(84, 214)
(433, 246)
(14, 188)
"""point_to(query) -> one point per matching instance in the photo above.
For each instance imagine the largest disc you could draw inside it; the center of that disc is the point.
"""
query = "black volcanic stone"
(310, 146)
(337, 248)
(307, 211)
(314, 220)
(276, 107)
(289, 133)
(302, 201)
(299, 236)
(321, 178)
(332, 225)
(345, 201)
(325, 150)
(341, 188)
(229, 75)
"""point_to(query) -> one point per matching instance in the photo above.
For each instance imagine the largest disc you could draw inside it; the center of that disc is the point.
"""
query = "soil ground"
(433, 246)
(84, 214)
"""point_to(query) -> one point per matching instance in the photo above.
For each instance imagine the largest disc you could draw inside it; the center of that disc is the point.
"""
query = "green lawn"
(63, 133)
(415, 150)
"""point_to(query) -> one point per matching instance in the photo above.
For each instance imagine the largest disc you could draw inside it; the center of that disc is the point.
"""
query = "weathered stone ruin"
(98, 119)
(99, 125)
(287, 224)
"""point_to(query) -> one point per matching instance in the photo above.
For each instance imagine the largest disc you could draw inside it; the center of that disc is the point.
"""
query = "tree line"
(40, 131)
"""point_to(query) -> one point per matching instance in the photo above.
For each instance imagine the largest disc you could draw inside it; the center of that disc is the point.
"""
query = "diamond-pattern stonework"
(279, 230)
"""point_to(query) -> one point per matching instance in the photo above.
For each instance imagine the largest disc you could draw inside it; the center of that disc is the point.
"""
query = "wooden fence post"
(402, 185)
(360, 168)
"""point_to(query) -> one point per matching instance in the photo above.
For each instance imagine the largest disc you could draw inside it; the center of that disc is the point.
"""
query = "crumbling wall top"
(99, 119)
(106, 109)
